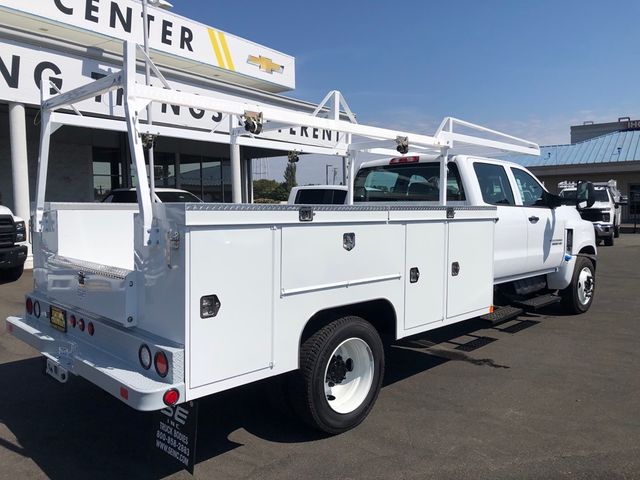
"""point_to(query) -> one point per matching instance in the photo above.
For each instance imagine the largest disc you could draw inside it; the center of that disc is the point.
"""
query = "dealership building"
(598, 152)
(64, 44)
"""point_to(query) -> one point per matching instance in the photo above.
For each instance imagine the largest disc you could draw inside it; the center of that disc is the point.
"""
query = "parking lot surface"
(543, 396)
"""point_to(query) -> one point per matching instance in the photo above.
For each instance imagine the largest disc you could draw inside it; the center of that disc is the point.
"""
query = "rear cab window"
(415, 182)
(494, 184)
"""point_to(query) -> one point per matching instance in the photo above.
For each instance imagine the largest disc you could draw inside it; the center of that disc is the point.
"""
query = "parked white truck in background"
(169, 302)
(605, 214)
(13, 246)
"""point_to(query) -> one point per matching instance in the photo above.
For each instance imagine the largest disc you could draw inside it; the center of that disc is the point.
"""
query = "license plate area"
(56, 371)
(58, 318)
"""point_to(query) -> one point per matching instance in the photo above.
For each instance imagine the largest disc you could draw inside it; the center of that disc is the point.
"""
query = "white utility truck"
(13, 246)
(605, 213)
(169, 302)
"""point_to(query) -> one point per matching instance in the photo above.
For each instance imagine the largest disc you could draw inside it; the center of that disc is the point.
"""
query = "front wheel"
(341, 370)
(578, 296)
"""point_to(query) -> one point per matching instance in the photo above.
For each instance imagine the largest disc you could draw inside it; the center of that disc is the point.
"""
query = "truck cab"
(536, 237)
(13, 247)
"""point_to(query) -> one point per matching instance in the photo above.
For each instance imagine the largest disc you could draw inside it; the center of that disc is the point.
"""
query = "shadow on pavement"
(78, 431)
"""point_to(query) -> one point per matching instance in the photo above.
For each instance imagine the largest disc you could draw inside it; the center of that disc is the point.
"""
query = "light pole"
(326, 171)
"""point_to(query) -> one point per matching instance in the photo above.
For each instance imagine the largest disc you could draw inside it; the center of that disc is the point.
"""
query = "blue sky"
(529, 68)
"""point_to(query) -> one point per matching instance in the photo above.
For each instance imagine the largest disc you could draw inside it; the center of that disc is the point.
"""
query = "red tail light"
(161, 363)
(81, 325)
(72, 321)
(397, 160)
(124, 393)
(29, 306)
(36, 309)
(90, 329)
(171, 397)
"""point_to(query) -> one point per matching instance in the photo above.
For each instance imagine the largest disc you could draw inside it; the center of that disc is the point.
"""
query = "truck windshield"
(600, 195)
(407, 182)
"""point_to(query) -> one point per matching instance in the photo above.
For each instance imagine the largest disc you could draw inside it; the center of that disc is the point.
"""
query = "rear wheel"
(578, 296)
(616, 231)
(341, 369)
(609, 241)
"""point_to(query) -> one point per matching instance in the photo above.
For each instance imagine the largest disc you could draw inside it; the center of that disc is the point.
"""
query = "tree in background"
(270, 191)
(290, 176)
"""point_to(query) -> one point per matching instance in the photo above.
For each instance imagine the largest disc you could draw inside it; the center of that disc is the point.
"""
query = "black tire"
(571, 295)
(616, 231)
(609, 241)
(310, 400)
(11, 274)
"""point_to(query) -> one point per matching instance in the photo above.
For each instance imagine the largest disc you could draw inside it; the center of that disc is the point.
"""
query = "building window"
(107, 171)
(205, 177)
(634, 202)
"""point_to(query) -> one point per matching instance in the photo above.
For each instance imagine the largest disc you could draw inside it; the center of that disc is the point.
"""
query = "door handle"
(534, 219)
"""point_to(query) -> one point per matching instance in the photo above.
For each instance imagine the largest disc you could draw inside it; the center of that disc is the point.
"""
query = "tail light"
(81, 325)
(144, 355)
(171, 397)
(161, 363)
(36, 309)
(90, 329)
(72, 321)
(29, 306)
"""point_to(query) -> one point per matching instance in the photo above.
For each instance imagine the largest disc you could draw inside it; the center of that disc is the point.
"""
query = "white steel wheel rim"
(344, 395)
(585, 286)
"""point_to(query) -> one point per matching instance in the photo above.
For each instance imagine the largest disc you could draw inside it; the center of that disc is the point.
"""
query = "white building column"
(19, 162)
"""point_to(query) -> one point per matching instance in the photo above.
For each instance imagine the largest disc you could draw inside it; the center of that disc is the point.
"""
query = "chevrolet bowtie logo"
(265, 64)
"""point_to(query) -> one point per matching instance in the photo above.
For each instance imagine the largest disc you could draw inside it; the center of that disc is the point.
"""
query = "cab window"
(494, 184)
(417, 182)
(530, 190)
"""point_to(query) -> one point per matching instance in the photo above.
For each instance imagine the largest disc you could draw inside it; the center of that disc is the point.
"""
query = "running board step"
(536, 303)
(502, 314)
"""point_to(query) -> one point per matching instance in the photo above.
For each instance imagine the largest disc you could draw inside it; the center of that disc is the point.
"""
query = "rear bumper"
(102, 369)
(11, 257)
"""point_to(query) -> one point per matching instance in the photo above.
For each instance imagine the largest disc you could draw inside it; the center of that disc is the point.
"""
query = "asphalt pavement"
(544, 396)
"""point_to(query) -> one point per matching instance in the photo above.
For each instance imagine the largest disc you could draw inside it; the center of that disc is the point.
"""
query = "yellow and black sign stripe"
(221, 49)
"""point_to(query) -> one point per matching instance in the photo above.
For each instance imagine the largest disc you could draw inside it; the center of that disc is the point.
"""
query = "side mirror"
(623, 200)
(585, 195)
(553, 201)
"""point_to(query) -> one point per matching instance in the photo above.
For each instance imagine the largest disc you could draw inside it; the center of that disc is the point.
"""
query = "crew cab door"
(545, 234)
(510, 251)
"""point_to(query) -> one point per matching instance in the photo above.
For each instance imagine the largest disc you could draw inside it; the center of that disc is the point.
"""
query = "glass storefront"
(206, 177)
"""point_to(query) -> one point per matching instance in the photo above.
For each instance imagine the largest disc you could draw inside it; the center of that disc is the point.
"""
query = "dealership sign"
(176, 41)
(22, 66)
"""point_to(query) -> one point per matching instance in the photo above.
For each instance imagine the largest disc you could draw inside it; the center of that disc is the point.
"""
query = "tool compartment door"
(236, 264)
(424, 298)
(470, 267)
